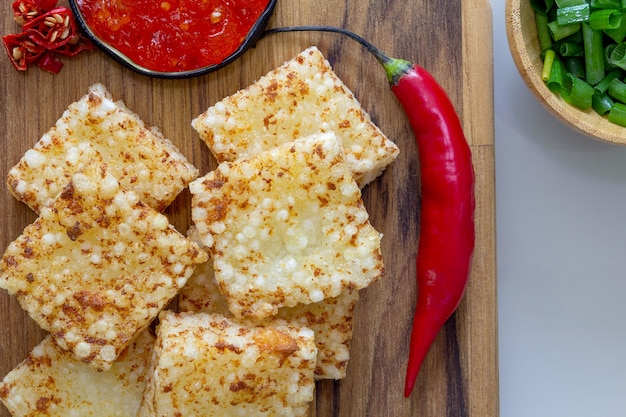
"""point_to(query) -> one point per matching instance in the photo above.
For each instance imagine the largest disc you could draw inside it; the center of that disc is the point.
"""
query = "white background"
(561, 242)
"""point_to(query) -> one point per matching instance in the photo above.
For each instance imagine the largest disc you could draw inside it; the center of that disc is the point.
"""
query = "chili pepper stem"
(394, 67)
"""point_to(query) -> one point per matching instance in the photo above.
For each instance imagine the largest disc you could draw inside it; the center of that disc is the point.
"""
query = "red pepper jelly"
(173, 35)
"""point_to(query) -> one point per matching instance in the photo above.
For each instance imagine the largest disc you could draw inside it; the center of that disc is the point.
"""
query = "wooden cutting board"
(452, 39)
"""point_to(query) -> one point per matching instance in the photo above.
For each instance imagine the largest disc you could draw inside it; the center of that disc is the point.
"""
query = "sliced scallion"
(575, 66)
(605, 19)
(605, 4)
(617, 90)
(608, 50)
(603, 85)
(573, 14)
(577, 92)
(601, 103)
(617, 114)
(548, 60)
(571, 49)
(568, 3)
(618, 56)
(576, 37)
(557, 77)
(594, 58)
(560, 32)
(583, 48)
(619, 33)
(543, 33)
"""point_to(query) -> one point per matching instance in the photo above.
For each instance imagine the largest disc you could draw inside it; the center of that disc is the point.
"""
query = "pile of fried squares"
(266, 279)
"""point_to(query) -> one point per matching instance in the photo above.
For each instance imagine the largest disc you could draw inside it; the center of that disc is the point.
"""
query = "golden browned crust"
(97, 266)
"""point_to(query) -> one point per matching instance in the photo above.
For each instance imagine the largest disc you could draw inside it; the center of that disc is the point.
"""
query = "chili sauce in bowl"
(173, 38)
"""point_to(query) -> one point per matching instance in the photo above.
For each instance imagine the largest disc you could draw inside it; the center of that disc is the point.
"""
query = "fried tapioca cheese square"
(208, 365)
(332, 322)
(331, 319)
(97, 266)
(286, 226)
(299, 98)
(50, 382)
(139, 156)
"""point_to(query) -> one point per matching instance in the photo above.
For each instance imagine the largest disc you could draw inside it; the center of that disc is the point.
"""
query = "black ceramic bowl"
(253, 35)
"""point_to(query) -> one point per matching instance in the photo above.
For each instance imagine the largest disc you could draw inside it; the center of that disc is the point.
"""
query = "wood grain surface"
(452, 39)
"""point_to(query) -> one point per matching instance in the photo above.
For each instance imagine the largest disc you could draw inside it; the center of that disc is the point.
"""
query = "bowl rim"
(577, 119)
(254, 34)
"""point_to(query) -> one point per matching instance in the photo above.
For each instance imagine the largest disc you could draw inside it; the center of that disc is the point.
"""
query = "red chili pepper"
(77, 44)
(47, 32)
(22, 50)
(446, 241)
(52, 29)
(49, 62)
(27, 10)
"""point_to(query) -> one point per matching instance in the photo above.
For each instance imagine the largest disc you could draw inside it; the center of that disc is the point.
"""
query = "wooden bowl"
(524, 44)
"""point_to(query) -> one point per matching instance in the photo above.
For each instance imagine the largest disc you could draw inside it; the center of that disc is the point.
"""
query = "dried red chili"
(446, 241)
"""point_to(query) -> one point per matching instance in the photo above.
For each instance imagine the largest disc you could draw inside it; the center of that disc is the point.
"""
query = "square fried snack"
(139, 156)
(330, 319)
(302, 97)
(49, 382)
(97, 266)
(286, 226)
(207, 365)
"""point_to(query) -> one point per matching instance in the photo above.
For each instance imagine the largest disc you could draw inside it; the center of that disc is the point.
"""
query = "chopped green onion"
(575, 66)
(560, 32)
(571, 49)
(605, 19)
(618, 56)
(601, 103)
(548, 60)
(576, 37)
(605, 4)
(617, 114)
(594, 58)
(619, 33)
(543, 33)
(557, 77)
(577, 92)
(617, 90)
(603, 85)
(608, 50)
(568, 3)
(583, 49)
(573, 14)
